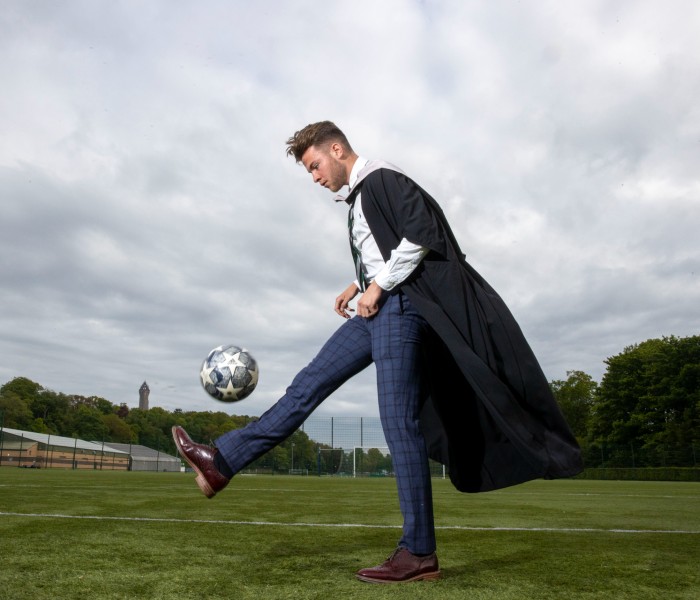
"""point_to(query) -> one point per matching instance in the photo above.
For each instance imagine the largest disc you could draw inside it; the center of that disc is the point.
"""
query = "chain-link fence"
(635, 456)
(355, 446)
(338, 446)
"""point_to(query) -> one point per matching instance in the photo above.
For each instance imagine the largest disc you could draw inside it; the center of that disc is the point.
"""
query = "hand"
(342, 301)
(368, 304)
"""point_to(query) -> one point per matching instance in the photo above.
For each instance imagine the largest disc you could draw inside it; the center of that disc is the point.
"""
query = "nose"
(316, 176)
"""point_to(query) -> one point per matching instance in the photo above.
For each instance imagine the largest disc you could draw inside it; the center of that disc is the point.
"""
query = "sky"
(149, 213)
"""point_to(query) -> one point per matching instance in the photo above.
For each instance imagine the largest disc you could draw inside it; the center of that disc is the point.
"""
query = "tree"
(118, 430)
(649, 399)
(206, 426)
(54, 409)
(87, 424)
(104, 406)
(152, 428)
(22, 387)
(373, 461)
(38, 426)
(575, 397)
(48, 409)
(15, 411)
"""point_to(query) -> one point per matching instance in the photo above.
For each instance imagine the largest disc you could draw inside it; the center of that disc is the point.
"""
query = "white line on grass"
(361, 525)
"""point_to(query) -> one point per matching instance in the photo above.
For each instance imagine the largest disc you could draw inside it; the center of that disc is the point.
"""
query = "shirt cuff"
(403, 261)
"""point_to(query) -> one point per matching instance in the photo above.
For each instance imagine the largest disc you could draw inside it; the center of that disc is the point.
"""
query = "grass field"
(102, 535)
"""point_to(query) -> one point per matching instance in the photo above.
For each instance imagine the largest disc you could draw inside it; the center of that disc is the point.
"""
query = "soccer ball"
(229, 373)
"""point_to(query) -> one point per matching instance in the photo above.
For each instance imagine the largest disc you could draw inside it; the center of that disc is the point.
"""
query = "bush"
(643, 474)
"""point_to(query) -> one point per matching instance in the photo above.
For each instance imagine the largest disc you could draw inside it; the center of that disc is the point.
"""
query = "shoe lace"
(393, 554)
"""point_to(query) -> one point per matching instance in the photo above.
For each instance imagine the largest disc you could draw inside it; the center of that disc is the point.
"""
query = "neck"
(351, 160)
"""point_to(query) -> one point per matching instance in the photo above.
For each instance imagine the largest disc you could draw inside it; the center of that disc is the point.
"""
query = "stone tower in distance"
(144, 390)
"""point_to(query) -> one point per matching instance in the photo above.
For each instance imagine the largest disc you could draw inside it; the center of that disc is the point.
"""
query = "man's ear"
(336, 150)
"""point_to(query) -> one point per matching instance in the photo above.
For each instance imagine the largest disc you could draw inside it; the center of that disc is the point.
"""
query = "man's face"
(325, 166)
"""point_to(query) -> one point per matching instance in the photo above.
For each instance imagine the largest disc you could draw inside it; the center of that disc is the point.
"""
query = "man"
(456, 379)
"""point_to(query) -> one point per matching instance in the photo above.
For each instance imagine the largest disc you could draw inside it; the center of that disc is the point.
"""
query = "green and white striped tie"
(356, 256)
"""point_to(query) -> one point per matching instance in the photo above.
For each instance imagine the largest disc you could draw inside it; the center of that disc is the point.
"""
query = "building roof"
(138, 452)
(57, 440)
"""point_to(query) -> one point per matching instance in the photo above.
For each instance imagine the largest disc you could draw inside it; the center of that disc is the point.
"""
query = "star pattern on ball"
(230, 391)
(229, 373)
(205, 373)
(233, 360)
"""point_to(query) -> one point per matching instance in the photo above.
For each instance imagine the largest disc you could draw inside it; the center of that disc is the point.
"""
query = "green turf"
(154, 536)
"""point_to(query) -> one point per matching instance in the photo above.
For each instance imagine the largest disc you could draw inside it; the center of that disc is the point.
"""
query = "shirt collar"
(355, 171)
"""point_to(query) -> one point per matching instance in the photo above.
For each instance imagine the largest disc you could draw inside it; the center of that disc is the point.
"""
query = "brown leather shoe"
(201, 459)
(402, 566)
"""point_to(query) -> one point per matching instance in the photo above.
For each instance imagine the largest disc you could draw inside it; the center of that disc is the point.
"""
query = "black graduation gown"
(490, 416)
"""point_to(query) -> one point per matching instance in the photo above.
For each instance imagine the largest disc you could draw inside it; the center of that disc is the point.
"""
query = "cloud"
(149, 213)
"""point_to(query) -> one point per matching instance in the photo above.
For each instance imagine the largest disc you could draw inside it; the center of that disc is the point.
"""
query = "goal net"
(371, 461)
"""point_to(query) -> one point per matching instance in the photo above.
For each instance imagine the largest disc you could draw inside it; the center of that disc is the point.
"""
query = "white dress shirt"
(404, 258)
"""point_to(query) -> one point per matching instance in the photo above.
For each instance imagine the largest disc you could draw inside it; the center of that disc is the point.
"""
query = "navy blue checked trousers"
(393, 341)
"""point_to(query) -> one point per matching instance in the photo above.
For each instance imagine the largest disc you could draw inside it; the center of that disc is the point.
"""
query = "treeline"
(645, 412)
(26, 405)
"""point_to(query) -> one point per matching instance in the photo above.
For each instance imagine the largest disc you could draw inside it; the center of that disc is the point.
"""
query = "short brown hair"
(315, 134)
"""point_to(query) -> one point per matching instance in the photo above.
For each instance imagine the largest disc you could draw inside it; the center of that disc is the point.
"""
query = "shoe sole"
(422, 577)
(203, 484)
(200, 480)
